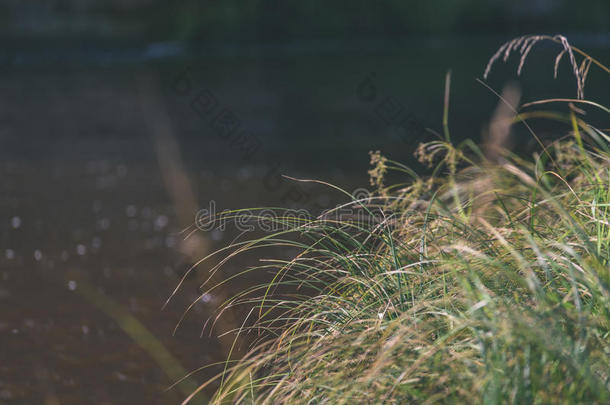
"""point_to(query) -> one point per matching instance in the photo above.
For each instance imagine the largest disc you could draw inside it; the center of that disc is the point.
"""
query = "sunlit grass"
(486, 282)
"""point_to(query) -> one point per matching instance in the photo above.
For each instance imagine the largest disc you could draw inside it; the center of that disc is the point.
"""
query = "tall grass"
(486, 282)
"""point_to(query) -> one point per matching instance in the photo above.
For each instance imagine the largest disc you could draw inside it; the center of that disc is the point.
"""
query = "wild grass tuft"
(486, 282)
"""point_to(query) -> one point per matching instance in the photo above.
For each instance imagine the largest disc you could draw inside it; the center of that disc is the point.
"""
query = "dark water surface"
(83, 199)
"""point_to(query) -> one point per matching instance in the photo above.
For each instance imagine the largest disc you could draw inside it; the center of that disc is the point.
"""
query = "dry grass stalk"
(524, 45)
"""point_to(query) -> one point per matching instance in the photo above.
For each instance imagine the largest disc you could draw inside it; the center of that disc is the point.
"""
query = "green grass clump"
(486, 282)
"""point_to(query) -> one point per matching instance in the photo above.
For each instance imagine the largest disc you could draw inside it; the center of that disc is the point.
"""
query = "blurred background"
(119, 120)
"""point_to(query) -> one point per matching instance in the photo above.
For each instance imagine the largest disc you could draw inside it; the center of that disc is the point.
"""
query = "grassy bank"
(485, 282)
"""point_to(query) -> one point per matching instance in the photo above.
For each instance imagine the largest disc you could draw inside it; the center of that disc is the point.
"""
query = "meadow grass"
(487, 281)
